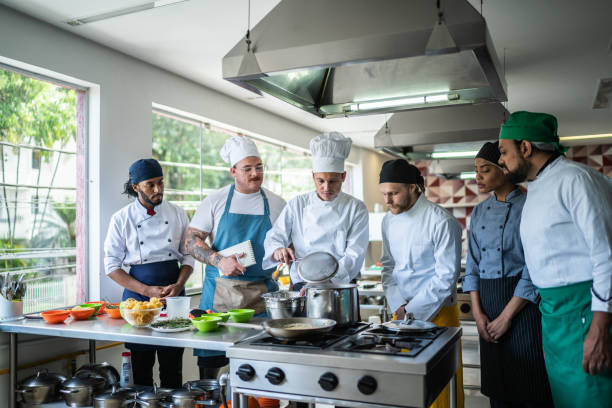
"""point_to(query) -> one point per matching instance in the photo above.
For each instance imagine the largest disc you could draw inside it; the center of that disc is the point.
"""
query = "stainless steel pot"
(187, 398)
(336, 302)
(79, 392)
(210, 387)
(40, 388)
(151, 399)
(117, 398)
(284, 304)
(104, 370)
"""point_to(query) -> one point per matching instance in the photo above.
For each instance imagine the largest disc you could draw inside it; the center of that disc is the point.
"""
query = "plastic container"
(206, 323)
(113, 313)
(125, 379)
(10, 309)
(241, 315)
(83, 314)
(178, 307)
(55, 316)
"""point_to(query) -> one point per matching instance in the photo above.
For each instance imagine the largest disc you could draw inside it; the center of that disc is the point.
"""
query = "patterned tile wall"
(462, 195)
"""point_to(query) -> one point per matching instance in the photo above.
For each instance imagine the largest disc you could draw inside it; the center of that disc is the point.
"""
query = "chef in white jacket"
(421, 254)
(566, 230)
(322, 220)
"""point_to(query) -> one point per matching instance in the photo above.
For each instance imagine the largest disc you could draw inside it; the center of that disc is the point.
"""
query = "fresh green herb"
(109, 306)
(178, 323)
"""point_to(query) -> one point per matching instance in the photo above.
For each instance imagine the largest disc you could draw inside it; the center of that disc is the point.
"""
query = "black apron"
(152, 274)
(512, 370)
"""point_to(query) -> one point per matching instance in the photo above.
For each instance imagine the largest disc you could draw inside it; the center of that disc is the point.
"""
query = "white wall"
(121, 92)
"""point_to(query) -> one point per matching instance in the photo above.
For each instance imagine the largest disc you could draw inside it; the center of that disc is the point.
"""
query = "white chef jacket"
(134, 237)
(339, 227)
(211, 209)
(421, 259)
(566, 229)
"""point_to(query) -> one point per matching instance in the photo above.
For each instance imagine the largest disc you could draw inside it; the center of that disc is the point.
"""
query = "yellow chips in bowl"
(141, 313)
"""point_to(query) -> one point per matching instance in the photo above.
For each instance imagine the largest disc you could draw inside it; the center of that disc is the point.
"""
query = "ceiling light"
(467, 175)
(122, 12)
(454, 155)
(437, 98)
(582, 137)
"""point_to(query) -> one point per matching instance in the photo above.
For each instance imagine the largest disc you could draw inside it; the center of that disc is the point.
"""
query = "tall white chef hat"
(329, 151)
(237, 148)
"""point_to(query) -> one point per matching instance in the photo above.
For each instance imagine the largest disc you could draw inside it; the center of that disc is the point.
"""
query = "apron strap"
(228, 203)
(265, 200)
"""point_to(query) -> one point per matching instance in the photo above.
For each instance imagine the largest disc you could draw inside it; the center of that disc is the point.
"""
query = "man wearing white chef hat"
(233, 214)
(322, 220)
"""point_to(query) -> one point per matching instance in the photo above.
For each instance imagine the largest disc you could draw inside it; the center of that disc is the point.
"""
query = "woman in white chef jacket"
(323, 220)
(421, 254)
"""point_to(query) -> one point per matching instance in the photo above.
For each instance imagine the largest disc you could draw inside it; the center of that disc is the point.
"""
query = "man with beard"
(233, 214)
(325, 220)
(146, 236)
(566, 230)
(421, 254)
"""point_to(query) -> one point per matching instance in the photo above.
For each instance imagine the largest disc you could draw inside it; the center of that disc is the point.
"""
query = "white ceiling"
(556, 50)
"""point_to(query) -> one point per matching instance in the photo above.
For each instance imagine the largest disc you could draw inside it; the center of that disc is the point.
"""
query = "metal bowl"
(284, 304)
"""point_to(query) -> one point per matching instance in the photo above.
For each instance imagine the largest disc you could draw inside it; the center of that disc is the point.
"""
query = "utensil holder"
(10, 309)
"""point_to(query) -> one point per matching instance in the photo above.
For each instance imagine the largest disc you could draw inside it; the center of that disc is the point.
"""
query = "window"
(39, 233)
(188, 151)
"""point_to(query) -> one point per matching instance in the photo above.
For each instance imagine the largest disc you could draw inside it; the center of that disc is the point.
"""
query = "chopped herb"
(109, 306)
(178, 323)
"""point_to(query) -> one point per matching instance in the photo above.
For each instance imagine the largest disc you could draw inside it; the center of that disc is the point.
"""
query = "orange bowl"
(55, 316)
(114, 313)
(101, 308)
(82, 314)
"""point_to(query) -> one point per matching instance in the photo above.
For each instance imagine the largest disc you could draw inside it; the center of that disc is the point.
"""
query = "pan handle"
(242, 325)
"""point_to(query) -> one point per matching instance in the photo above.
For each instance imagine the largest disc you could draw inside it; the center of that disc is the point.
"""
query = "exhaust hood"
(353, 57)
(451, 137)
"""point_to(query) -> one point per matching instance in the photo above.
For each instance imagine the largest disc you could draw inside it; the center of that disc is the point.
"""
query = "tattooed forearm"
(194, 244)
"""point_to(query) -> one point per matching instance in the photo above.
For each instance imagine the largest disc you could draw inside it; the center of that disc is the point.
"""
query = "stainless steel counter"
(107, 329)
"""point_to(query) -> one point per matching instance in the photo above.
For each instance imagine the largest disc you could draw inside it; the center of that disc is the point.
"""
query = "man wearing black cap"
(146, 236)
(421, 254)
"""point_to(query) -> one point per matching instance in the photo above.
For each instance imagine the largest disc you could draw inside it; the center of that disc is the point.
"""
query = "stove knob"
(367, 384)
(245, 372)
(275, 375)
(328, 381)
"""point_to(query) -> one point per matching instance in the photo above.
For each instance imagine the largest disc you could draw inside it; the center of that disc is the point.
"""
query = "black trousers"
(170, 366)
(209, 366)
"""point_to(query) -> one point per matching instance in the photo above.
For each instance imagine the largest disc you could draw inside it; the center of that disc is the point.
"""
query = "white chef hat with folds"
(237, 148)
(329, 151)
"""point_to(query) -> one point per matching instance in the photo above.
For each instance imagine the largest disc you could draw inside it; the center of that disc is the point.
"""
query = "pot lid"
(317, 267)
(77, 382)
(42, 378)
(189, 393)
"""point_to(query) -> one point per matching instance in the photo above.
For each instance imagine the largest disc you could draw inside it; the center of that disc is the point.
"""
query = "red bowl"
(55, 316)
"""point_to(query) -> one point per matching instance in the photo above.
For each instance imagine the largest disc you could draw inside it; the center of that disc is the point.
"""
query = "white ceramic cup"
(178, 307)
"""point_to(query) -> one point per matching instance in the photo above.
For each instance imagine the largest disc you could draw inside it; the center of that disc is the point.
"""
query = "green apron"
(566, 318)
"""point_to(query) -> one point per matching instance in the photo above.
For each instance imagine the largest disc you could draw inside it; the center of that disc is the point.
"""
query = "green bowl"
(224, 316)
(241, 315)
(96, 306)
(206, 323)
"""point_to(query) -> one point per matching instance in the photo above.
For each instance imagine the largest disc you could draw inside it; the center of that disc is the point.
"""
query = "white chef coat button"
(483, 227)
(166, 222)
(169, 240)
(141, 242)
(498, 249)
(139, 226)
(488, 208)
(484, 249)
(144, 260)
(170, 254)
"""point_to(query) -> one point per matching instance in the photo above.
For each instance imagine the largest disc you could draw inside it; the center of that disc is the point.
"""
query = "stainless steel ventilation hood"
(351, 57)
(452, 133)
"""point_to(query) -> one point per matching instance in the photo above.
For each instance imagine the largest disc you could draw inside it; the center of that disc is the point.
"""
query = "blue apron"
(152, 274)
(233, 229)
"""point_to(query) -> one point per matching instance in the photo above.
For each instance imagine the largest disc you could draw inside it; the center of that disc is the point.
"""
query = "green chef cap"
(533, 127)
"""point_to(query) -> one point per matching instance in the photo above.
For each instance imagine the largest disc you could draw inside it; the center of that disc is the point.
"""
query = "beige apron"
(239, 294)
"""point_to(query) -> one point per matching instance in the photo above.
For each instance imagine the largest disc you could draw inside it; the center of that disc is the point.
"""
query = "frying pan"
(288, 329)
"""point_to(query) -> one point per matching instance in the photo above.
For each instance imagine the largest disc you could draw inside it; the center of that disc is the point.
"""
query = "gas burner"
(321, 341)
(379, 340)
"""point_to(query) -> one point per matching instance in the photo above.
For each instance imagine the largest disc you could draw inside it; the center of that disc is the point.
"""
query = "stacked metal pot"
(323, 299)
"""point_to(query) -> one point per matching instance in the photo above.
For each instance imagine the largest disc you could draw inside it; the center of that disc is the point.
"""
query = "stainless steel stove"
(364, 366)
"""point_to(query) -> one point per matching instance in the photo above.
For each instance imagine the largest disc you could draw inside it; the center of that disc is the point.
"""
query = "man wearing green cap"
(566, 230)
